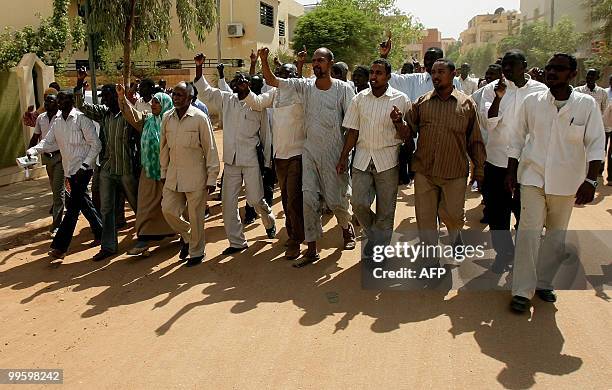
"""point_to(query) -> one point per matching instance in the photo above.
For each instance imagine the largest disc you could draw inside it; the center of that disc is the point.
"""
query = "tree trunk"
(127, 45)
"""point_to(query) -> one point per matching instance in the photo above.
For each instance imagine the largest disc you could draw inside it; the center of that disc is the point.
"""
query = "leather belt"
(50, 155)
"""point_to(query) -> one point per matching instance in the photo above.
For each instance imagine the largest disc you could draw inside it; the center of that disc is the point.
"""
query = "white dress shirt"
(378, 140)
(599, 94)
(500, 127)
(287, 113)
(469, 85)
(42, 126)
(415, 85)
(555, 146)
(143, 106)
(477, 96)
(243, 128)
(76, 139)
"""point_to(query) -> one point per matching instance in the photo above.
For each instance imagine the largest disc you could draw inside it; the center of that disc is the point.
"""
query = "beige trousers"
(174, 204)
(537, 260)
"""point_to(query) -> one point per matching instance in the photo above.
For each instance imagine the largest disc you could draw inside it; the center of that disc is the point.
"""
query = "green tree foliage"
(131, 23)
(55, 36)
(353, 29)
(453, 52)
(601, 18)
(479, 58)
(539, 41)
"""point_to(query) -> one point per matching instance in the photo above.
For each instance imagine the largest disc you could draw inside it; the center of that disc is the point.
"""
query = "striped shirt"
(43, 123)
(448, 132)
(76, 139)
(378, 140)
(599, 94)
(116, 135)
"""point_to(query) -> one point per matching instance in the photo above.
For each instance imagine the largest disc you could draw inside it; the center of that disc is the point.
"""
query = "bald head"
(322, 61)
(181, 96)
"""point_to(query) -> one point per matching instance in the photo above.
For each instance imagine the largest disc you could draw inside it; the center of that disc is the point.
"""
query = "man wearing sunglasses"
(556, 133)
(243, 130)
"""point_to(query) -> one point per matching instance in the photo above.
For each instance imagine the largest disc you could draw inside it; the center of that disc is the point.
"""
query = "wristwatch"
(594, 183)
(85, 165)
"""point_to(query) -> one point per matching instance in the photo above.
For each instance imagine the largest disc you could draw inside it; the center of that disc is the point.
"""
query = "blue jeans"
(109, 184)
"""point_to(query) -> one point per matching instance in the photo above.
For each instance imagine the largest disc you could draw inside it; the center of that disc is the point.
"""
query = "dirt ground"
(252, 321)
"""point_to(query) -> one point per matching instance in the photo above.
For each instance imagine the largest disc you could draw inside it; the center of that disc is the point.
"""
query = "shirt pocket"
(189, 139)
(575, 133)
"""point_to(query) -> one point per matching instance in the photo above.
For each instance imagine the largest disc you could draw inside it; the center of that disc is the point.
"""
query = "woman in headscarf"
(150, 222)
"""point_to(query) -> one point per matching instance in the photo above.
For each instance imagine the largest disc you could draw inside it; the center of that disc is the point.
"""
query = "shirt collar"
(454, 94)
(513, 86)
(190, 111)
(388, 92)
(551, 98)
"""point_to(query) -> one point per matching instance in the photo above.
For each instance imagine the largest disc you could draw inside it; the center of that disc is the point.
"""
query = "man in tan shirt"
(446, 122)
(189, 165)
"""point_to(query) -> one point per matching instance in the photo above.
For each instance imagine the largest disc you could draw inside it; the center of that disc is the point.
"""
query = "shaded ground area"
(253, 321)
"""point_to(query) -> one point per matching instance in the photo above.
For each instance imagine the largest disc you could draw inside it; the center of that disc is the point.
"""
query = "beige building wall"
(246, 12)
(551, 11)
(490, 28)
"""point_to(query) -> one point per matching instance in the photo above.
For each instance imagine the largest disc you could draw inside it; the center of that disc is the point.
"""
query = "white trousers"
(233, 177)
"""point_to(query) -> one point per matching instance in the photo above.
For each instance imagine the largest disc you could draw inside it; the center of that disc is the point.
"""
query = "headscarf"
(149, 140)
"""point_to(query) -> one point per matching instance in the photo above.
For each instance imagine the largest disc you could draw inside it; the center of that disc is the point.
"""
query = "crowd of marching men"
(529, 141)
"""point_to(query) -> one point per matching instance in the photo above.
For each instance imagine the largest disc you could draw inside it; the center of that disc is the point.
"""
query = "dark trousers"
(289, 172)
(77, 201)
(110, 185)
(95, 197)
(500, 206)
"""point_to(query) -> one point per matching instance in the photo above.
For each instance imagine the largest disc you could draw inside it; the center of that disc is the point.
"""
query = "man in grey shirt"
(326, 100)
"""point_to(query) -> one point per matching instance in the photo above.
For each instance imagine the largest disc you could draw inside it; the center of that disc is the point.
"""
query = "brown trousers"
(289, 174)
(439, 199)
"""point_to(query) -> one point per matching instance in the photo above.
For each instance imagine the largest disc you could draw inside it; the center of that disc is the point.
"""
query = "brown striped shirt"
(448, 132)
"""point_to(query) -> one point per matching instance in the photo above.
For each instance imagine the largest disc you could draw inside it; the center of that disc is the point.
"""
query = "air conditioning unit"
(235, 30)
(282, 40)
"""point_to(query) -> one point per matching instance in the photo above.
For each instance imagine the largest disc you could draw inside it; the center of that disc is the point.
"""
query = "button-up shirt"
(599, 94)
(42, 126)
(415, 85)
(76, 139)
(469, 85)
(553, 145)
(143, 106)
(188, 155)
(287, 112)
(500, 127)
(378, 140)
(243, 128)
(117, 136)
(448, 132)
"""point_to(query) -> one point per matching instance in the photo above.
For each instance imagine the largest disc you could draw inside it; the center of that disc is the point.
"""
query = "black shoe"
(484, 220)
(184, 250)
(501, 265)
(103, 255)
(207, 212)
(271, 232)
(547, 295)
(520, 304)
(231, 250)
(193, 261)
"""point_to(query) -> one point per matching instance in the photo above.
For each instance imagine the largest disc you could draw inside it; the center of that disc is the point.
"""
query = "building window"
(281, 28)
(266, 14)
